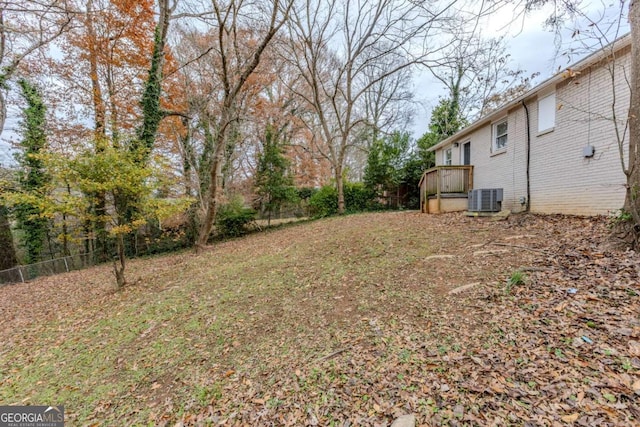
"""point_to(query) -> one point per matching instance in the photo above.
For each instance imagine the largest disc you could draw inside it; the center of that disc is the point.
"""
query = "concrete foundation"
(447, 204)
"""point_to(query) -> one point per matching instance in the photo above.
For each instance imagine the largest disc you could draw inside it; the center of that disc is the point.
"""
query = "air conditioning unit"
(485, 200)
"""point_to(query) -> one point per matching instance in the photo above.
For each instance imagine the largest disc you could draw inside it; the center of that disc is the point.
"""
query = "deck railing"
(446, 180)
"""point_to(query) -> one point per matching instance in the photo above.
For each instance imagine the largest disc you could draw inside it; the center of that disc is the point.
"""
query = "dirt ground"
(346, 321)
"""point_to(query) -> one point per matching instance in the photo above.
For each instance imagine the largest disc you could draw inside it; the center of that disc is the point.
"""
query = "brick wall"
(562, 179)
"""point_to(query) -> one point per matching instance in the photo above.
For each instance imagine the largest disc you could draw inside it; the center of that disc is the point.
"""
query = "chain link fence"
(22, 273)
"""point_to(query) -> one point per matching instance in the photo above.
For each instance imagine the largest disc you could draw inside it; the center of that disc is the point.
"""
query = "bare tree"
(632, 172)
(387, 107)
(343, 50)
(476, 72)
(237, 62)
(26, 27)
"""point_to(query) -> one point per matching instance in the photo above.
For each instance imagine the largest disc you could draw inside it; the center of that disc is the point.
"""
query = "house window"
(447, 157)
(500, 131)
(547, 113)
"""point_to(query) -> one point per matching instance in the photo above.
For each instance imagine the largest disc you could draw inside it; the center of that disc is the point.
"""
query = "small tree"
(118, 176)
(385, 162)
(111, 173)
(8, 258)
(412, 171)
(632, 172)
(274, 185)
(32, 178)
(446, 119)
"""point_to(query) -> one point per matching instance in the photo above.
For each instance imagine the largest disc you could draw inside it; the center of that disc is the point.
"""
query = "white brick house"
(537, 148)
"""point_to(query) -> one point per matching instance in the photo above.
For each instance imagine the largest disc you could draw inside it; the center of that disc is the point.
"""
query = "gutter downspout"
(528, 202)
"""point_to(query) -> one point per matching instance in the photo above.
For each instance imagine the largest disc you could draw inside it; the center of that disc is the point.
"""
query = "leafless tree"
(387, 106)
(476, 71)
(232, 21)
(344, 49)
(26, 27)
(632, 169)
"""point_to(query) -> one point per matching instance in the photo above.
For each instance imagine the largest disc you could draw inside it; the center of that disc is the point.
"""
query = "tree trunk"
(96, 88)
(3, 111)
(8, 257)
(65, 236)
(632, 199)
(119, 264)
(100, 136)
(214, 194)
(152, 112)
(340, 186)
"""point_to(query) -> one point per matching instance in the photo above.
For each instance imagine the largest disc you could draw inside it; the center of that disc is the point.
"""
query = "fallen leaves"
(346, 321)
(570, 418)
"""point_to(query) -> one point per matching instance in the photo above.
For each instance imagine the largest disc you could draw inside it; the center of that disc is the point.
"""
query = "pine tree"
(446, 119)
(385, 162)
(274, 185)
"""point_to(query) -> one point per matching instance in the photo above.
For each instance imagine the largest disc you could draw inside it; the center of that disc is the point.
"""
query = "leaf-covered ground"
(345, 321)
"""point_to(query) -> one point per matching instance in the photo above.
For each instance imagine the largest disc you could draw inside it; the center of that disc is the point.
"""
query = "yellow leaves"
(121, 229)
(570, 418)
(87, 179)
(569, 73)
(497, 387)
(138, 223)
(164, 209)
(562, 306)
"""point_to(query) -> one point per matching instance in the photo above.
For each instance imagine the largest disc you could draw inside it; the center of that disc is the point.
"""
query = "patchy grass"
(341, 319)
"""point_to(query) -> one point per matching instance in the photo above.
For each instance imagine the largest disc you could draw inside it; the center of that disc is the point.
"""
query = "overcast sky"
(531, 46)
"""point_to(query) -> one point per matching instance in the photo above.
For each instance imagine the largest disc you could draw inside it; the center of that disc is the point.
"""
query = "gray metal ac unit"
(485, 200)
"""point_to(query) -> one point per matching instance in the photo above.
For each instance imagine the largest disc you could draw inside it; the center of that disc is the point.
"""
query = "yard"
(344, 321)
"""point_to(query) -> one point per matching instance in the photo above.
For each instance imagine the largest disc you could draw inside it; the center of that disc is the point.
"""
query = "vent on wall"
(485, 200)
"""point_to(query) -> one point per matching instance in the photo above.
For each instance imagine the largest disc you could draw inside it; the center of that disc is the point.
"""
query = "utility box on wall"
(588, 151)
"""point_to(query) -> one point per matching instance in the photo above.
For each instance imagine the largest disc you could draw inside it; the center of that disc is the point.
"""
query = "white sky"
(531, 46)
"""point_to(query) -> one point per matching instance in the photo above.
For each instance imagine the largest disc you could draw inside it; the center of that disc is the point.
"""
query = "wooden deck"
(444, 182)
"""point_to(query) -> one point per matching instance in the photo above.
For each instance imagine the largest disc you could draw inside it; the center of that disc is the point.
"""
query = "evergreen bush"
(232, 218)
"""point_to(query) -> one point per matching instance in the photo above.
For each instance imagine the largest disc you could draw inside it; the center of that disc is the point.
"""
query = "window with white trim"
(447, 157)
(500, 133)
(547, 113)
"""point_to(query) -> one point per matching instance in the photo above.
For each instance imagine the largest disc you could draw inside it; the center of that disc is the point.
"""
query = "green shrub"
(305, 193)
(357, 198)
(232, 219)
(324, 202)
